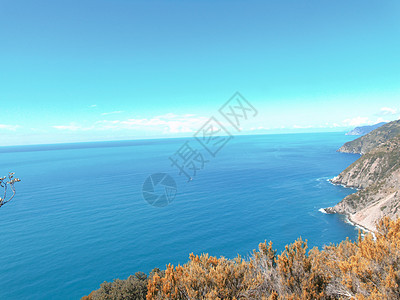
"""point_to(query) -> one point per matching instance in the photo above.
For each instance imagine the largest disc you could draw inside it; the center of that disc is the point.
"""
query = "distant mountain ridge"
(376, 174)
(362, 130)
(373, 139)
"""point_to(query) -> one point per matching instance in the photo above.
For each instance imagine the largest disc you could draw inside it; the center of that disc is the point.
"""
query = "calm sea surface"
(79, 217)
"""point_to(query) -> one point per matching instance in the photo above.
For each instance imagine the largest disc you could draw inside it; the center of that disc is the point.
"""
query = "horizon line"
(161, 138)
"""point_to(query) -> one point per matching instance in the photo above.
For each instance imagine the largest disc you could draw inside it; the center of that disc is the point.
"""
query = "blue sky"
(107, 70)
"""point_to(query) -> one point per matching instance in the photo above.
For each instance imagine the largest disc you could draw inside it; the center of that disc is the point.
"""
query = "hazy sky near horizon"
(106, 70)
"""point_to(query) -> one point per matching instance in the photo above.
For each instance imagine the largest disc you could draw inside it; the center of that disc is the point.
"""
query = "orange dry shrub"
(205, 277)
(88, 297)
(368, 269)
(295, 274)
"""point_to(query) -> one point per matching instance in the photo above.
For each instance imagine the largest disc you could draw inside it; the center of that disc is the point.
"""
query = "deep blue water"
(79, 217)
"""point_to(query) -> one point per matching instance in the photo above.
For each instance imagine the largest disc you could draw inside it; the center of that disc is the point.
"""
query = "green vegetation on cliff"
(373, 139)
(373, 166)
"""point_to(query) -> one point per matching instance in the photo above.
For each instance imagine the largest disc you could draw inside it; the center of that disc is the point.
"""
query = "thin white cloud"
(93, 105)
(302, 126)
(387, 111)
(112, 112)
(71, 127)
(363, 121)
(357, 121)
(9, 127)
(168, 123)
(258, 128)
(380, 120)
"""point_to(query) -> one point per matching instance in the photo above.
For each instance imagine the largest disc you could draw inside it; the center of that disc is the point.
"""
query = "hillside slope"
(377, 175)
(362, 130)
(373, 139)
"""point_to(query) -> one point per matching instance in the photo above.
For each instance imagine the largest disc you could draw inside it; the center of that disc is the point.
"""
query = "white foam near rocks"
(363, 229)
(322, 210)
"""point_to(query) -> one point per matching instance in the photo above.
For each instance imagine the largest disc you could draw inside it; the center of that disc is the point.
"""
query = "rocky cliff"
(373, 139)
(377, 175)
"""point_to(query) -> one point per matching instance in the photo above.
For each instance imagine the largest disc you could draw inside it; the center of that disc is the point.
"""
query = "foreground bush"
(135, 287)
(365, 269)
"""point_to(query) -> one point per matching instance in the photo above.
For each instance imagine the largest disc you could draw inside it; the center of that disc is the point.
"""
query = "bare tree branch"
(7, 182)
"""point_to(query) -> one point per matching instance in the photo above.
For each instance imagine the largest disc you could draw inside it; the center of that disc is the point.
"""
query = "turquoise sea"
(79, 216)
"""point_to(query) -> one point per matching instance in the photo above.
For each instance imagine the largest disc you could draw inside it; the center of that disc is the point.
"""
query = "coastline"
(375, 176)
(359, 226)
(349, 218)
(342, 184)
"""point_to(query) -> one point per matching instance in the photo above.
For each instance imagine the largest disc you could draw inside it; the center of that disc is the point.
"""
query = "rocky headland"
(376, 175)
(373, 139)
